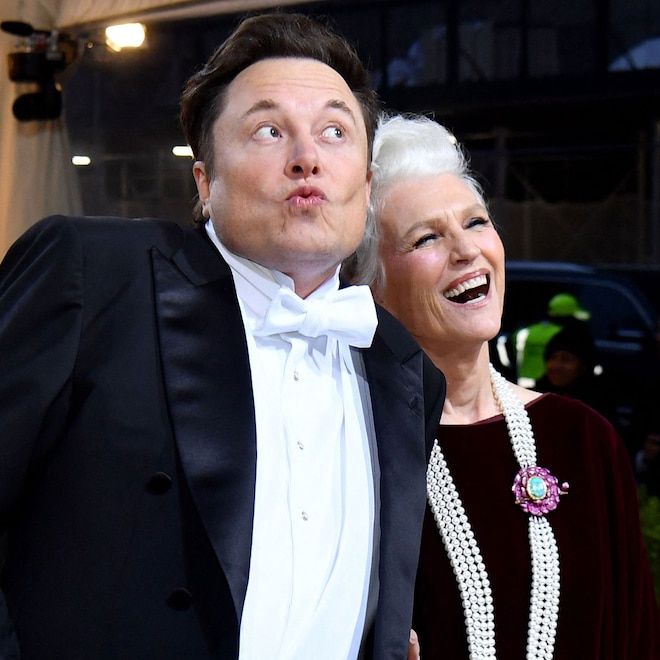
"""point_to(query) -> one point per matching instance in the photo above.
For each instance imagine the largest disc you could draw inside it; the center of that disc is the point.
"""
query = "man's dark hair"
(258, 38)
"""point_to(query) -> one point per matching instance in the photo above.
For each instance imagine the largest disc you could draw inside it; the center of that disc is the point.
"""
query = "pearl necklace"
(537, 492)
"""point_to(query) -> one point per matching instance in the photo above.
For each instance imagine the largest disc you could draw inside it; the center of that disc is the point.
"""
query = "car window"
(615, 313)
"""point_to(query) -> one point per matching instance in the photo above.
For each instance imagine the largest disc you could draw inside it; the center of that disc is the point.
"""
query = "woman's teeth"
(473, 289)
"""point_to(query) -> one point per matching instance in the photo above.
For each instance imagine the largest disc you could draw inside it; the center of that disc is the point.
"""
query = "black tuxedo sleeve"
(40, 326)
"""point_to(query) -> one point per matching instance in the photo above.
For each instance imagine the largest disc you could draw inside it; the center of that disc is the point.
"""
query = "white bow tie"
(348, 314)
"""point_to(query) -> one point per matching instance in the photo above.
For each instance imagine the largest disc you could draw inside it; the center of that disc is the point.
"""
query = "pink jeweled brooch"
(537, 490)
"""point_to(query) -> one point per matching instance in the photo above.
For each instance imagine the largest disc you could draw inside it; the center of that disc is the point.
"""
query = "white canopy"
(36, 174)
(76, 13)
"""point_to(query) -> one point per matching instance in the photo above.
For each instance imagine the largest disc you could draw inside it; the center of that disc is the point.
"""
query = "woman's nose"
(464, 248)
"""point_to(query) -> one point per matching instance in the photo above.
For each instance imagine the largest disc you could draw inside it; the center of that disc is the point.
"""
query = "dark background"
(568, 148)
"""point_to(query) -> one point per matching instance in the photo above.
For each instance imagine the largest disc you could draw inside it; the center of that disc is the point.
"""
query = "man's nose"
(303, 159)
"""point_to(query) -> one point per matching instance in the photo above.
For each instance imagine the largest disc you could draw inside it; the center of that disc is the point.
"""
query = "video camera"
(40, 55)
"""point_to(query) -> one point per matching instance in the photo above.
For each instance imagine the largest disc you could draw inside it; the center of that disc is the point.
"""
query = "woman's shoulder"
(557, 406)
(553, 403)
(560, 416)
(526, 395)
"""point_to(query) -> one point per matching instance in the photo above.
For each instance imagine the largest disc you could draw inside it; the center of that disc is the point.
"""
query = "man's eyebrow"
(263, 104)
(269, 104)
(340, 105)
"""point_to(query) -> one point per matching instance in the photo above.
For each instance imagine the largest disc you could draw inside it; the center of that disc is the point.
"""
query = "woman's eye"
(267, 133)
(424, 240)
(478, 222)
(333, 133)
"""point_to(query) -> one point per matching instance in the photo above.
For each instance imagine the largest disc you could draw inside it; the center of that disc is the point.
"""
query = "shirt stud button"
(304, 515)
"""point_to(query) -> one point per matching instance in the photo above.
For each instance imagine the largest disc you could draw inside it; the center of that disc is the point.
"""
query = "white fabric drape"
(36, 174)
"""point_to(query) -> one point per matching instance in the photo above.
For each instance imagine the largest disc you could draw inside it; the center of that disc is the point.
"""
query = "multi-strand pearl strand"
(465, 555)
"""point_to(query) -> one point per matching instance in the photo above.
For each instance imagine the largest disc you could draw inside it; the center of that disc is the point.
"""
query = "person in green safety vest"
(529, 343)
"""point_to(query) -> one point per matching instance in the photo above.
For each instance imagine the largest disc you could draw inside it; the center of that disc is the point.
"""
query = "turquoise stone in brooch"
(536, 488)
(537, 491)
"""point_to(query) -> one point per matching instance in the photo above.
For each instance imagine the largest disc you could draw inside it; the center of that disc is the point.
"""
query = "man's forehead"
(274, 80)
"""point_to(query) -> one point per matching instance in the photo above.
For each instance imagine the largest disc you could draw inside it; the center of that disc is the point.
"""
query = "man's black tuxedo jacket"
(127, 448)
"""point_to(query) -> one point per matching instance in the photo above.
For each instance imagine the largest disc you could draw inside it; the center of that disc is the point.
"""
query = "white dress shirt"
(312, 539)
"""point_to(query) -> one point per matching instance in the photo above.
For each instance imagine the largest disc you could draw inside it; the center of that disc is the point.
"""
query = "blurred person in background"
(570, 358)
(647, 462)
(527, 344)
(531, 545)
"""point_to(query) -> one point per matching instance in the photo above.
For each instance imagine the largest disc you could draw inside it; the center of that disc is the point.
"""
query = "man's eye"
(267, 133)
(333, 133)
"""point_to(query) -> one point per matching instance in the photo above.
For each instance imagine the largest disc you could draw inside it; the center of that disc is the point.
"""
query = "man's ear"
(203, 187)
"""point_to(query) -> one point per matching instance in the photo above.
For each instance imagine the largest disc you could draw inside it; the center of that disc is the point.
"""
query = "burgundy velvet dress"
(607, 607)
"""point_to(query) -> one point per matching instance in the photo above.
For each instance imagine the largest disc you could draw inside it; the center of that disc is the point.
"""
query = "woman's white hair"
(405, 147)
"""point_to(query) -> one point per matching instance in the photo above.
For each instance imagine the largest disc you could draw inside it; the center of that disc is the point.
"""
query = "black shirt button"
(180, 599)
(159, 483)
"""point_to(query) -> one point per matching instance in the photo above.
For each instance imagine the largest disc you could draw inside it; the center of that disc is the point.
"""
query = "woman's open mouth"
(476, 288)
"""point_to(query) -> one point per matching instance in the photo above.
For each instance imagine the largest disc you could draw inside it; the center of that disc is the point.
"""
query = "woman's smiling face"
(443, 262)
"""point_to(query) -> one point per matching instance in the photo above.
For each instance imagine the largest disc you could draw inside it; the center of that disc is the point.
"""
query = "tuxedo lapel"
(209, 393)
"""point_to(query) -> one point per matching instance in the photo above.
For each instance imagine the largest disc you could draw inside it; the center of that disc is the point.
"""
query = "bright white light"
(81, 160)
(184, 151)
(125, 35)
